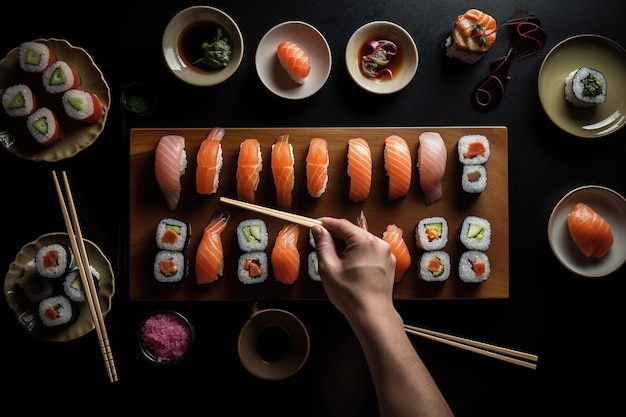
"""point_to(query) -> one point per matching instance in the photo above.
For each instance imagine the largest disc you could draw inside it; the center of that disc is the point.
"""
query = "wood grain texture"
(147, 207)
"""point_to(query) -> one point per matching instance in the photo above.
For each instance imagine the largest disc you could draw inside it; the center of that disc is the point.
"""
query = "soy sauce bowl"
(165, 337)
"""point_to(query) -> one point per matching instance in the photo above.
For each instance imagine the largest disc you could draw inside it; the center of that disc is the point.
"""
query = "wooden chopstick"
(516, 357)
(82, 260)
(295, 218)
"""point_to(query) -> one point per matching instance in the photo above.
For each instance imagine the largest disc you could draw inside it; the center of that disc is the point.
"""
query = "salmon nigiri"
(359, 169)
(399, 249)
(317, 162)
(285, 257)
(210, 254)
(431, 163)
(294, 60)
(398, 165)
(283, 170)
(590, 231)
(249, 167)
(170, 162)
(210, 162)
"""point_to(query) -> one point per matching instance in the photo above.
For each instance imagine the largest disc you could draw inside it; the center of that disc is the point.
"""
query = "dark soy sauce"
(272, 343)
(395, 64)
(190, 44)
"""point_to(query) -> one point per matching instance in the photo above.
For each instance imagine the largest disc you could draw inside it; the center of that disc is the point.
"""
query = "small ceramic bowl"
(182, 41)
(403, 65)
(165, 337)
(139, 98)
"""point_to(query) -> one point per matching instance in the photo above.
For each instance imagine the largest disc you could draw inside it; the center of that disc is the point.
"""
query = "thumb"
(324, 245)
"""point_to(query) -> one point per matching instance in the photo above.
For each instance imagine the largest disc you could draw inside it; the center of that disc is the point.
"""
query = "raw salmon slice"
(210, 254)
(399, 249)
(209, 160)
(285, 257)
(359, 169)
(431, 163)
(398, 165)
(317, 162)
(249, 167)
(590, 231)
(294, 60)
(283, 170)
(170, 162)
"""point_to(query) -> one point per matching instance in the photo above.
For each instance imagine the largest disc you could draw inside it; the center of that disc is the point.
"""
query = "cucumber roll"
(54, 260)
(60, 77)
(431, 233)
(434, 266)
(313, 266)
(57, 310)
(173, 234)
(476, 233)
(474, 266)
(19, 100)
(73, 284)
(35, 57)
(44, 126)
(252, 267)
(252, 235)
(170, 266)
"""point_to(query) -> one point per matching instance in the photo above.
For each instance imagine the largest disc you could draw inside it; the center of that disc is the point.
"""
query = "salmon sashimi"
(590, 231)
(398, 164)
(474, 31)
(170, 163)
(359, 169)
(294, 60)
(210, 160)
(210, 254)
(317, 162)
(431, 164)
(249, 167)
(285, 257)
(399, 249)
(283, 170)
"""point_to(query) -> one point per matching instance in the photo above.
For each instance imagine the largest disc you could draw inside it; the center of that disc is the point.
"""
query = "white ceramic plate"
(183, 70)
(608, 204)
(274, 77)
(578, 51)
(78, 135)
(26, 311)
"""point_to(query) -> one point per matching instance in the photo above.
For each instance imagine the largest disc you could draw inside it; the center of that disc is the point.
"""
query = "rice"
(453, 51)
(73, 284)
(56, 310)
(35, 57)
(19, 100)
(165, 337)
(252, 267)
(431, 233)
(60, 77)
(474, 178)
(474, 266)
(313, 266)
(434, 266)
(54, 260)
(473, 149)
(252, 235)
(585, 87)
(43, 125)
(170, 266)
(82, 105)
(476, 233)
(173, 234)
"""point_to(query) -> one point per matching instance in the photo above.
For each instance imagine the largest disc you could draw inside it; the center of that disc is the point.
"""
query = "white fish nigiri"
(170, 162)
(431, 164)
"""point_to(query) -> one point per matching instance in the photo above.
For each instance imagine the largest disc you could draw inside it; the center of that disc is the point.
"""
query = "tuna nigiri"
(285, 257)
(399, 249)
(590, 231)
(359, 169)
(210, 254)
(249, 167)
(210, 162)
(294, 60)
(283, 170)
(170, 162)
(317, 162)
(398, 165)
(431, 163)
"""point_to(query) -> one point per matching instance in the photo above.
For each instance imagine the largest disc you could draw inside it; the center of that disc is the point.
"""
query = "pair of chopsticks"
(80, 254)
(527, 360)
(295, 218)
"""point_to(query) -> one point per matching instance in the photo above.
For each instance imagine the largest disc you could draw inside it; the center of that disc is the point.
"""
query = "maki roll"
(57, 310)
(82, 105)
(43, 125)
(434, 266)
(173, 234)
(54, 260)
(170, 266)
(252, 235)
(474, 266)
(473, 149)
(34, 285)
(431, 233)
(73, 284)
(476, 233)
(60, 77)
(585, 87)
(474, 178)
(252, 267)
(35, 57)
(313, 266)
(19, 100)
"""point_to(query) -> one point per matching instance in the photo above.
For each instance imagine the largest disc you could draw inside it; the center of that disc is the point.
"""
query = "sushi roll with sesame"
(57, 310)
(173, 234)
(473, 149)
(44, 126)
(252, 267)
(35, 57)
(474, 266)
(476, 233)
(73, 284)
(434, 266)
(19, 100)
(474, 178)
(431, 233)
(54, 260)
(82, 105)
(60, 77)
(313, 266)
(585, 87)
(170, 266)
(252, 235)
(34, 285)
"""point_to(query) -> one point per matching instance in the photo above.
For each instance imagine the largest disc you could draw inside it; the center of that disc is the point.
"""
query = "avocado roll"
(252, 235)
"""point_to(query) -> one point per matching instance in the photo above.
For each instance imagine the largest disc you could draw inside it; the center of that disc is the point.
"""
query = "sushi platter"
(147, 207)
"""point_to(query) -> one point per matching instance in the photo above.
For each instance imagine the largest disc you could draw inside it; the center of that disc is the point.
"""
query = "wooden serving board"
(147, 207)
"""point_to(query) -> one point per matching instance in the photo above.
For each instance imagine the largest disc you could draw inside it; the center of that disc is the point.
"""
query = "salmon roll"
(35, 57)
(473, 34)
(434, 266)
(54, 260)
(60, 77)
(170, 266)
(82, 105)
(57, 310)
(173, 234)
(19, 100)
(252, 267)
(474, 266)
(44, 126)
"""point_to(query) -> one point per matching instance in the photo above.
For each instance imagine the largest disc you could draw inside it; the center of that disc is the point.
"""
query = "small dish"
(274, 77)
(165, 337)
(608, 204)
(407, 57)
(192, 26)
(26, 311)
(78, 135)
(139, 98)
(596, 52)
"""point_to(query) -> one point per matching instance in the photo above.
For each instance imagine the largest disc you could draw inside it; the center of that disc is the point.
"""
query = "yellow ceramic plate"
(78, 135)
(592, 51)
(608, 204)
(26, 311)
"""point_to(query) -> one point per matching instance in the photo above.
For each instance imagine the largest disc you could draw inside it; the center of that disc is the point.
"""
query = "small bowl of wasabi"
(165, 337)
(139, 98)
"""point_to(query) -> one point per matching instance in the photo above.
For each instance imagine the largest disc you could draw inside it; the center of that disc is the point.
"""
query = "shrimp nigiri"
(283, 170)
(249, 167)
(294, 60)
(398, 165)
(399, 249)
(210, 254)
(359, 169)
(170, 162)
(210, 162)
(431, 163)
(590, 231)
(285, 257)
(317, 162)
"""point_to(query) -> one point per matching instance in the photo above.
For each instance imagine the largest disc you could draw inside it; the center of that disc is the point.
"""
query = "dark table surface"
(575, 325)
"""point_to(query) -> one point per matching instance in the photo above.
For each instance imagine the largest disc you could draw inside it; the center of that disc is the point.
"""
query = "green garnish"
(591, 86)
(216, 54)
(478, 30)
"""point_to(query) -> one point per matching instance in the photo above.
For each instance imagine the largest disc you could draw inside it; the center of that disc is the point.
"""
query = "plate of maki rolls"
(44, 289)
(55, 100)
